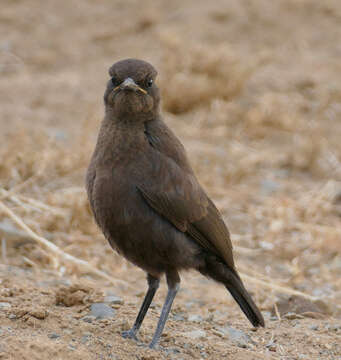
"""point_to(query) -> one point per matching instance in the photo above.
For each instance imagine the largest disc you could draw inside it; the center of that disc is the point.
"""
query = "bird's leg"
(153, 284)
(173, 281)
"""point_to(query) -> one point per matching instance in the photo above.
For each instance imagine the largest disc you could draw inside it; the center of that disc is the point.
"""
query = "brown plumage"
(147, 201)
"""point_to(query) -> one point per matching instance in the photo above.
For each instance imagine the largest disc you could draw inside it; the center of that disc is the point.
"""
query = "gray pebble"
(12, 316)
(196, 334)
(314, 327)
(84, 339)
(5, 305)
(240, 338)
(195, 318)
(112, 299)
(268, 186)
(53, 336)
(88, 318)
(178, 317)
(101, 311)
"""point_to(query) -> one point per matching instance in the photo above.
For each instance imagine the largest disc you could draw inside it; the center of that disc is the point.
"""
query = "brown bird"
(147, 201)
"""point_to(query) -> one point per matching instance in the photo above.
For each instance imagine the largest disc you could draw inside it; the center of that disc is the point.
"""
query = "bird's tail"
(229, 277)
(244, 300)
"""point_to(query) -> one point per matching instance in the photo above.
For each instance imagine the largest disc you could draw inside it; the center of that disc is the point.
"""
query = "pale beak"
(130, 84)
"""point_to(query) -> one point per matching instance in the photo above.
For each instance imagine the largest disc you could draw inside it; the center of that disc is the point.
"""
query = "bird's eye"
(115, 81)
(149, 82)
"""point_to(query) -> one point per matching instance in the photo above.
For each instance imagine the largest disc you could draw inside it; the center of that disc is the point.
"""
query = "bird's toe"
(130, 334)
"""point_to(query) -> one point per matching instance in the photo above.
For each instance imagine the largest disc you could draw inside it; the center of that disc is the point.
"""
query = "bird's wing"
(180, 199)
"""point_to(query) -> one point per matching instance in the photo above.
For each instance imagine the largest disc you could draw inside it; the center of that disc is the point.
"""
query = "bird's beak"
(130, 84)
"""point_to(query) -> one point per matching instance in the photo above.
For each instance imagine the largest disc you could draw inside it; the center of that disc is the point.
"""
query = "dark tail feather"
(244, 300)
(222, 273)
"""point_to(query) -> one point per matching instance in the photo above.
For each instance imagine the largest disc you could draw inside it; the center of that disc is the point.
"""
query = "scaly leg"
(153, 284)
(173, 281)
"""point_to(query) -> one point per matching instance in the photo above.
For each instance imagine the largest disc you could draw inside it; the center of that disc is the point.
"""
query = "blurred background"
(252, 88)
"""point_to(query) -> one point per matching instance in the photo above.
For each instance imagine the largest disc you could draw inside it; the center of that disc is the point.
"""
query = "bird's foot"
(130, 334)
(155, 346)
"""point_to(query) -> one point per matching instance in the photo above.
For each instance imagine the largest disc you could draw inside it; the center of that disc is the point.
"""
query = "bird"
(147, 201)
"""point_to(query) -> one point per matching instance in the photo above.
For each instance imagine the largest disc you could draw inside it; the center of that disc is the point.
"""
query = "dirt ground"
(253, 89)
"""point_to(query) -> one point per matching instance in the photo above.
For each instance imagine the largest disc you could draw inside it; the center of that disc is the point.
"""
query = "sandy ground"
(253, 89)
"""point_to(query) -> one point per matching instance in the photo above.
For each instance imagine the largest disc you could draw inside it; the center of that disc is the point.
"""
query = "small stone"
(84, 339)
(313, 315)
(88, 318)
(293, 316)
(196, 334)
(195, 318)
(314, 327)
(12, 316)
(38, 313)
(178, 317)
(5, 306)
(218, 333)
(271, 346)
(333, 327)
(112, 299)
(237, 336)
(101, 311)
(53, 336)
(269, 186)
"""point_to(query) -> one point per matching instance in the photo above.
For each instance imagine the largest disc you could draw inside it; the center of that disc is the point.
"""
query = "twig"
(33, 202)
(18, 187)
(277, 312)
(283, 289)
(29, 262)
(56, 250)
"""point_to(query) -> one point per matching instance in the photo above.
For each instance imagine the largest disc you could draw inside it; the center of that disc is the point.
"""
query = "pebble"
(269, 186)
(101, 311)
(178, 317)
(195, 318)
(5, 305)
(88, 318)
(293, 316)
(12, 316)
(53, 336)
(314, 327)
(112, 299)
(38, 313)
(196, 334)
(272, 347)
(240, 338)
(333, 327)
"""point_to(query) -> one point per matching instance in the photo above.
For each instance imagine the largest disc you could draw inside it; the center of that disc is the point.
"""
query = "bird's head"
(131, 92)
